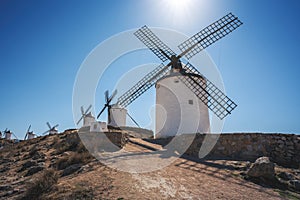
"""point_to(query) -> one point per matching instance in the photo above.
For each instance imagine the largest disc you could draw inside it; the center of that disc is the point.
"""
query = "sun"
(177, 5)
(177, 11)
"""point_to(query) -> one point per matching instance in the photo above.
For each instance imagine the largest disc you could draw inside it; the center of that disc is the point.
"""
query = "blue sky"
(43, 43)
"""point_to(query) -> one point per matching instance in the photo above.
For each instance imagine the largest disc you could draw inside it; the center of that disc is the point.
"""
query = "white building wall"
(178, 109)
(98, 127)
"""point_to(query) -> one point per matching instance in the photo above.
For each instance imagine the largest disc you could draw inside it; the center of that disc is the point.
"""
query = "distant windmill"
(86, 116)
(108, 106)
(52, 130)
(115, 114)
(184, 81)
(29, 134)
(8, 134)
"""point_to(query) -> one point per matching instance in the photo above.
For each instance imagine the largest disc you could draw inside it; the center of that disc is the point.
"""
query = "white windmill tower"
(183, 94)
(52, 130)
(86, 116)
(29, 134)
(8, 134)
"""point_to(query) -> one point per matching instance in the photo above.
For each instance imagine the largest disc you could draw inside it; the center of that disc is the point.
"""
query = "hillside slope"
(59, 167)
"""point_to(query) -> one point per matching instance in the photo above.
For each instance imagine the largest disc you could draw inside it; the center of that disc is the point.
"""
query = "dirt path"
(182, 179)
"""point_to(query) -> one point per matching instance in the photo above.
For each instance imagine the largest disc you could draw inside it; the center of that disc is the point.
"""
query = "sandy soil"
(184, 178)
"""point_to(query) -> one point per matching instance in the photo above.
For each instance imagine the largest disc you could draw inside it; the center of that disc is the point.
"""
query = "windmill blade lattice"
(112, 96)
(83, 114)
(159, 48)
(143, 85)
(207, 92)
(55, 126)
(107, 102)
(48, 124)
(45, 132)
(209, 35)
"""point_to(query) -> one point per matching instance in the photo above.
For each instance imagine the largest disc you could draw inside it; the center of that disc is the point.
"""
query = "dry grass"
(82, 191)
(71, 142)
(73, 158)
(41, 185)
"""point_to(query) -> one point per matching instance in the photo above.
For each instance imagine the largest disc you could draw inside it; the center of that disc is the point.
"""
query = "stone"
(285, 176)
(28, 164)
(262, 167)
(5, 187)
(280, 142)
(33, 170)
(4, 169)
(71, 169)
(295, 184)
(249, 148)
(221, 148)
(66, 154)
(6, 160)
(38, 155)
(289, 144)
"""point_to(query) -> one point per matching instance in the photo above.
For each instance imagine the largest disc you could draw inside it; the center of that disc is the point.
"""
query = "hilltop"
(59, 167)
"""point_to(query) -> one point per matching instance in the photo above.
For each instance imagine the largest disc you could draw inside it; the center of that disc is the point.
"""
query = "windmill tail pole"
(133, 120)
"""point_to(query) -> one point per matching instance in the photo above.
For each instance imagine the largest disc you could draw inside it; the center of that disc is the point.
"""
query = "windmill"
(86, 116)
(115, 114)
(52, 129)
(29, 134)
(190, 80)
(8, 134)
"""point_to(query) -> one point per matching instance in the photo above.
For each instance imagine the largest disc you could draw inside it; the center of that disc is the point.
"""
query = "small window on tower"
(191, 102)
(95, 126)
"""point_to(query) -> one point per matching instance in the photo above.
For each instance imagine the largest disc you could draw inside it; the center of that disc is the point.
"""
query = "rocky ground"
(60, 167)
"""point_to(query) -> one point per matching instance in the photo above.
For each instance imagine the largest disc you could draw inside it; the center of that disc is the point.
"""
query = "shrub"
(73, 158)
(81, 191)
(71, 142)
(41, 184)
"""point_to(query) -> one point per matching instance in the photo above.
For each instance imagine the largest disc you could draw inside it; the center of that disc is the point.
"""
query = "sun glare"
(177, 5)
(178, 10)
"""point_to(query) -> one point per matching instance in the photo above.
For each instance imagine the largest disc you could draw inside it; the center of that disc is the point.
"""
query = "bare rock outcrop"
(262, 167)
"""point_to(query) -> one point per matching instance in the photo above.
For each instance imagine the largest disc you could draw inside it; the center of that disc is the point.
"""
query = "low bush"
(42, 184)
(73, 158)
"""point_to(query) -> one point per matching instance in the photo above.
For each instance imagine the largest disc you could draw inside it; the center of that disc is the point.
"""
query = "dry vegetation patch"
(40, 185)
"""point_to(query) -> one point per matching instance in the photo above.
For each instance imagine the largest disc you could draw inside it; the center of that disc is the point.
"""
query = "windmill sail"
(209, 35)
(159, 48)
(207, 92)
(143, 85)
